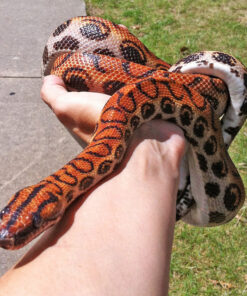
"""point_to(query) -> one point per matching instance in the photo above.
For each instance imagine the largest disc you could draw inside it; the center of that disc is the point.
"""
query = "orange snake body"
(92, 54)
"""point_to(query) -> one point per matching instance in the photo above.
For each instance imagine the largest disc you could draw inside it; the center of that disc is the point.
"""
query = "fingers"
(78, 111)
(53, 88)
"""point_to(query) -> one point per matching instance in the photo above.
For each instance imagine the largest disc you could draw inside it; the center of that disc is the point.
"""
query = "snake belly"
(204, 94)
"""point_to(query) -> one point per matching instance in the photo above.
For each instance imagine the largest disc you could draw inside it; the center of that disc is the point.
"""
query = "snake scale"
(205, 94)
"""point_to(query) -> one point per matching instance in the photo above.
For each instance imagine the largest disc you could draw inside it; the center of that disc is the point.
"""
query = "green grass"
(205, 261)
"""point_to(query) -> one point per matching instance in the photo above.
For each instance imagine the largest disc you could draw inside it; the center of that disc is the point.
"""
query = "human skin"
(117, 240)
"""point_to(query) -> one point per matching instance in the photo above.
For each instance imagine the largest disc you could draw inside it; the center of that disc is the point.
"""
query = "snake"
(205, 94)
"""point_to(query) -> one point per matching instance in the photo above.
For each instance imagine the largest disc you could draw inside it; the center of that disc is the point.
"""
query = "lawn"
(205, 261)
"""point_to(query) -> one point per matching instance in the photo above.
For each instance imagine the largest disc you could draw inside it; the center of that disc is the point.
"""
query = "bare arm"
(119, 241)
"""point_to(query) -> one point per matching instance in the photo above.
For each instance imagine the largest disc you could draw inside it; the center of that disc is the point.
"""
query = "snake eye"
(3, 212)
(37, 220)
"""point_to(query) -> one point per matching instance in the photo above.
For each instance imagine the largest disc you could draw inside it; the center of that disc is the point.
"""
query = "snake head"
(29, 212)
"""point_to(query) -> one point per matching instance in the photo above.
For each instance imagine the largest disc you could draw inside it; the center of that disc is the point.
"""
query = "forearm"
(117, 243)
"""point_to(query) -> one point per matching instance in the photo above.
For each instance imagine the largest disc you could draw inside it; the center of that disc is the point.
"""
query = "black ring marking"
(97, 138)
(60, 192)
(153, 82)
(58, 178)
(104, 167)
(85, 183)
(69, 196)
(191, 97)
(133, 52)
(167, 105)
(115, 110)
(232, 197)
(147, 110)
(98, 154)
(131, 102)
(75, 81)
(81, 170)
(167, 84)
(37, 219)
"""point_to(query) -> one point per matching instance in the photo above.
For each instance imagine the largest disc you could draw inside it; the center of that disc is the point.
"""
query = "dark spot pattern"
(210, 147)
(212, 189)
(77, 82)
(232, 197)
(134, 122)
(236, 72)
(224, 58)
(186, 115)
(96, 30)
(61, 28)
(220, 169)
(133, 52)
(191, 58)
(111, 86)
(213, 101)
(104, 167)
(67, 43)
(216, 217)
(69, 196)
(199, 126)
(167, 105)
(191, 140)
(202, 162)
(147, 110)
(104, 51)
(86, 182)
